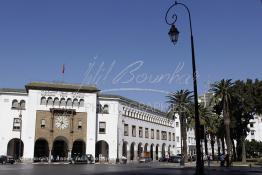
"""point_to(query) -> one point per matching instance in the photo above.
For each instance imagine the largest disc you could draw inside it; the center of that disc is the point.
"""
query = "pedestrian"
(222, 160)
(208, 160)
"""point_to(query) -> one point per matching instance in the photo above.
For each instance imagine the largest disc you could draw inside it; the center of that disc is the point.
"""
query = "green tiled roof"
(11, 90)
(133, 103)
(61, 87)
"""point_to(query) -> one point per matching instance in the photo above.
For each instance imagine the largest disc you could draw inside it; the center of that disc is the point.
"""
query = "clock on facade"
(61, 122)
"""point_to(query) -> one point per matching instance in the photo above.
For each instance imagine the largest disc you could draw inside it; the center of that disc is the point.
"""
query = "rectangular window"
(140, 132)
(177, 124)
(134, 131)
(79, 124)
(177, 139)
(252, 133)
(163, 135)
(169, 136)
(146, 133)
(157, 134)
(43, 123)
(152, 133)
(174, 137)
(251, 125)
(16, 124)
(126, 130)
(102, 127)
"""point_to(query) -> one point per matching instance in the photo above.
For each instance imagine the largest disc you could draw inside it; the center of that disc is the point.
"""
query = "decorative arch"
(69, 102)
(124, 149)
(132, 151)
(50, 101)
(60, 149)
(75, 103)
(79, 147)
(15, 148)
(157, 151)
(139, 150)
(15, 104)
(106, 109)
(62, 102)
(22, 104)
(56, 101)
(43, 101)
(41, 149)
(152, 151)
(102, 150)
(81, 102)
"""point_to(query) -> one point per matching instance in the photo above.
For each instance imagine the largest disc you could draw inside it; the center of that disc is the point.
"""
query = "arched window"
(15, 104)
(99, 108)
(43, 101)
(81, 103)
(49, 101)
(56, 102)
(69, 102)
(62, 102)
(22, 104)
(106, 109)
(75, 103)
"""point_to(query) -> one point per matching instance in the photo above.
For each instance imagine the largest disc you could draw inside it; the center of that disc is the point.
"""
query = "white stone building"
(255, 126)
(59, 120)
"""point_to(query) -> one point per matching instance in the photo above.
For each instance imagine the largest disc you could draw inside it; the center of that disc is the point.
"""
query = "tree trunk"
(244, 156)
(234, 150)
(223, 145)
(212, 145)
(218, 146)
(206, 148)
(184, 138)
(227, 129)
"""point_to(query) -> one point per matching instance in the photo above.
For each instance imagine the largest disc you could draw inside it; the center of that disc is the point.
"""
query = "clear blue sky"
(37, 37)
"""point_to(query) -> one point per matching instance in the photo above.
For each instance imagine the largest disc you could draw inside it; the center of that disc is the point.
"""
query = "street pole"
(174, 37)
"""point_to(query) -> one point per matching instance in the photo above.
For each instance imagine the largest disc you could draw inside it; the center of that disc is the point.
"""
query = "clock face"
(61, 122)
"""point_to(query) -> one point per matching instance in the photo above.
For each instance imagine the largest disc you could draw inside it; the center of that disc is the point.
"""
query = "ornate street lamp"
(173, 34)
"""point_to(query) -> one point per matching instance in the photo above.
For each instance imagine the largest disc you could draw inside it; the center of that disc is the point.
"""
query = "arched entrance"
(139, 150)
(124, 149)
(169, 150)
(13, 148)
(152, 151)
(60, 149)
(102, 150)
(132, 151)
(157, 149)
(163, 150)
(79, 148)
(145, 148)
(41, 150)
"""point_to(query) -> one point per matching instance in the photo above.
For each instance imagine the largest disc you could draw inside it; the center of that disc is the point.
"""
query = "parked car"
(145, 159)
(6, 159)
(192, 158)
(82, 159)
(175, 159)
(163, 159)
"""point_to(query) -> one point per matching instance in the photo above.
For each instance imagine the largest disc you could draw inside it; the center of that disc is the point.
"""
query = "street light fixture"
(173, 34)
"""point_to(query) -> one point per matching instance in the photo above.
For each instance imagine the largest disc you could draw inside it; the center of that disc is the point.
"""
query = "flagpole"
(63, 73)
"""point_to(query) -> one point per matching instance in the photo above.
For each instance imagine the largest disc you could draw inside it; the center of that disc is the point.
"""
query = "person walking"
(208, 160)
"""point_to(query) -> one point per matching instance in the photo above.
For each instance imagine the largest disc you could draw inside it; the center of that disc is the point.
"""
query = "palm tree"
(180, 102)
(222, 93)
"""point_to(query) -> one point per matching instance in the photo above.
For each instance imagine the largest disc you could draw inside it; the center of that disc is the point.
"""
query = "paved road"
(138, 169)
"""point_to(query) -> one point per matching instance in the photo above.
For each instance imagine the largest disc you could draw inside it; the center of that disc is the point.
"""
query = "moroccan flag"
(63, 68)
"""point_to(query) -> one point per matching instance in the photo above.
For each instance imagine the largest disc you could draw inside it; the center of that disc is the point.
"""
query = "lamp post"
(173, 34)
